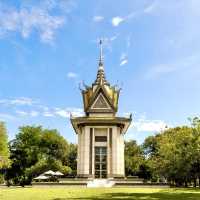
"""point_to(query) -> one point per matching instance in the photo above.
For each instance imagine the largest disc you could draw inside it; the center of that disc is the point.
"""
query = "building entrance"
(100, 162)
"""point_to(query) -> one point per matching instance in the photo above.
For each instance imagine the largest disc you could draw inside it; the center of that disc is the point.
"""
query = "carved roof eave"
(79, 122)
(84, 103)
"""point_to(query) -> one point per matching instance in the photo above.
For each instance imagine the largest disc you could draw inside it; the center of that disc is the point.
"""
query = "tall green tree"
(35, 150)
(24, 152)
(133, 158)
(53, 145)
(175, 154)
(150, 149)
(71, 159)
(195, 169)
(4, 151)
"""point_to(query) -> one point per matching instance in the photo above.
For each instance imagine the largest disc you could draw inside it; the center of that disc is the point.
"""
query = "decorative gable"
(100, 103)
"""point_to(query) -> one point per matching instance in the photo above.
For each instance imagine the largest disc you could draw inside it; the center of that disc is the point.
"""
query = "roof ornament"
(80, 86)
(83, 86)
(101, 55)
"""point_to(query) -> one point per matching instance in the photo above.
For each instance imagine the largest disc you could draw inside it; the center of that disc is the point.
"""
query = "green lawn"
(100, 193)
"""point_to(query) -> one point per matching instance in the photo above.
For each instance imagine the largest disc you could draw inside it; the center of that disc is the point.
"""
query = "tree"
(71, 159)
(133, 158)
(174, 154)
(53, 145)
(35, 150)
(150, 146)
(4, 151)
(150, 149)
(195, 169)
(24, 152)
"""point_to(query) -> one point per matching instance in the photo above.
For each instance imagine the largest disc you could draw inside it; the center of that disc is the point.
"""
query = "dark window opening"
(100, 139)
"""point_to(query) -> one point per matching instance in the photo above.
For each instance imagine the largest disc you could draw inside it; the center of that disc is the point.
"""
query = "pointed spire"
(101, 79)
(101, 56)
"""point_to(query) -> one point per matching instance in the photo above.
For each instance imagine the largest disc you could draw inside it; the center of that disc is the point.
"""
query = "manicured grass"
(100, 193)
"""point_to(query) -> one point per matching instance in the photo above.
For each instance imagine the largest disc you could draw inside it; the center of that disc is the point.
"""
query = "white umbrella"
(58, 173)
(41, 177)
(50, 172)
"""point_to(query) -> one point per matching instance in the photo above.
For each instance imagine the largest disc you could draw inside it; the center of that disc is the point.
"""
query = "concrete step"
(100, 183)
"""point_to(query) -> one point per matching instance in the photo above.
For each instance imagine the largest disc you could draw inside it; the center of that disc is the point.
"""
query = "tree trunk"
(195, 182)
(186, 184)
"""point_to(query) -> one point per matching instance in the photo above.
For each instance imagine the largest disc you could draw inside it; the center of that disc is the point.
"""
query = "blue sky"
(151, 49)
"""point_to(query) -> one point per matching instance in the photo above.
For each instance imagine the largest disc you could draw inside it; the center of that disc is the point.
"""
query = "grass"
(55, 193)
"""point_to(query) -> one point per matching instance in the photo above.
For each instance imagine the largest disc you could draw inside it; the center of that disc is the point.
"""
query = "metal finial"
(101, 55)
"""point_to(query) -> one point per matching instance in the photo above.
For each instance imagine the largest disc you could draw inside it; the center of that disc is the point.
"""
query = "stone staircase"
(95, 183)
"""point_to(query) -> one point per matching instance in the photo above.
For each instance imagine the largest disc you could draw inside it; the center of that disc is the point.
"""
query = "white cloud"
(72, 75)
(48, 114)
(44, 108)
(113, 38)
(5, 117)
(28, 108)
(18, 101)
(36, 18)
(180, 65)
(76, 111)
(52, 112)
(98, 18)
(123, 62)
(62, 113)
(123, 56)
(117, 20)
(142, 124)
(150, 125)
(32, 113)
(123, 59)
(21, 113)
(150, 8)
(67, 111)
(129, 40)
(23, 101)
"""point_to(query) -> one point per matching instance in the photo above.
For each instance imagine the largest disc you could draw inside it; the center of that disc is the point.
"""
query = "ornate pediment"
(100, 103)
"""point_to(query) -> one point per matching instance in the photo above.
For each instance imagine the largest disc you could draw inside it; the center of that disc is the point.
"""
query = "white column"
(121, 153)
(93, 151)
(86, 150)
(114, 151)
(108, 152)
(117, 153)
(78, 154)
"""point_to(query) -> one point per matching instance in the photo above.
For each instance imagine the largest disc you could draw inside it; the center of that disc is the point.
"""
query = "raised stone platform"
(95, 183)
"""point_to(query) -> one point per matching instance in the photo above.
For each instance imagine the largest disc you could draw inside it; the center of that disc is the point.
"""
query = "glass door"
(100, 162)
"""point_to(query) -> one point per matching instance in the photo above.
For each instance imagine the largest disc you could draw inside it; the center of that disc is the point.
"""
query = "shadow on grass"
(140, 196)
